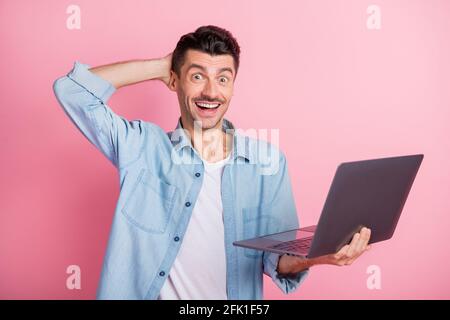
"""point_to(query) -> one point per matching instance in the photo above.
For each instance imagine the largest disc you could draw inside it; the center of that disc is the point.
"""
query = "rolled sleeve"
(283, 201)
(96, 85)
(287, 283)
(83, 95)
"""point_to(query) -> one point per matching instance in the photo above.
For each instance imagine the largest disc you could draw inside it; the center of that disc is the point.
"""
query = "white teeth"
(207, 105)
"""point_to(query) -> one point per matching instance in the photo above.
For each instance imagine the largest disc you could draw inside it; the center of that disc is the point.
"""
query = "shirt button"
(176, 238)
(162, 273)
(187, 204)
(197, 174)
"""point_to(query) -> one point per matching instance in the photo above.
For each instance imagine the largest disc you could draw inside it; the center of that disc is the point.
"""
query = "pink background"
(336, 90)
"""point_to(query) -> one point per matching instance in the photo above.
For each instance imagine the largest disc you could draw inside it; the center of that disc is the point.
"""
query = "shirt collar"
(241, 147)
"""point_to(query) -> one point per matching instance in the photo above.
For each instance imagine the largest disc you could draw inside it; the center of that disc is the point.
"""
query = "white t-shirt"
(199, 270)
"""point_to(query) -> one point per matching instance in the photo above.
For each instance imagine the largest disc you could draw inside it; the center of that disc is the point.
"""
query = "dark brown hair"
(209, 39)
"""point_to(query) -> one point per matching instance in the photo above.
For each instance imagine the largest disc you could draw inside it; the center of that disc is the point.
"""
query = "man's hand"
(345, 256)
(349, 252)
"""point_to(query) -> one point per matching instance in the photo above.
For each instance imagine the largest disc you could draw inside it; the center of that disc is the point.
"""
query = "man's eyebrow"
(226, 69)
(194, 65)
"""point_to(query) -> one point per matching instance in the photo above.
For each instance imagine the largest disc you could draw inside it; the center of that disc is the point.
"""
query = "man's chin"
(207, 123)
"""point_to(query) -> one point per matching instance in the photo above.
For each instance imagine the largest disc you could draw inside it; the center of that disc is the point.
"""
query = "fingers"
(363, 240)
(342, 256)
(350, 252)
(353, 245)
(362, 244)
(342, 253)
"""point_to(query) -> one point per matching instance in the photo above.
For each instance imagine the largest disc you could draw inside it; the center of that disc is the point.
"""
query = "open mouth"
(207, 106)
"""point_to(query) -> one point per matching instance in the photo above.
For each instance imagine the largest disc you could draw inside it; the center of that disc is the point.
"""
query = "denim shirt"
(160, 178)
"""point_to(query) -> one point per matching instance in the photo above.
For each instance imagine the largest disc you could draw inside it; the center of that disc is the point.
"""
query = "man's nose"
(210, 90)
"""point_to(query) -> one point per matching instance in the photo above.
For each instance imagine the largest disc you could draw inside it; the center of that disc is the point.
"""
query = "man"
(186, 195)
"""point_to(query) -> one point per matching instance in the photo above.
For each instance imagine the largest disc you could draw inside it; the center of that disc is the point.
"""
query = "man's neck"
(213, 144)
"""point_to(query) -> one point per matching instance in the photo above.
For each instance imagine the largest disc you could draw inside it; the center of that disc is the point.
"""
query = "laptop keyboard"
(298, 245)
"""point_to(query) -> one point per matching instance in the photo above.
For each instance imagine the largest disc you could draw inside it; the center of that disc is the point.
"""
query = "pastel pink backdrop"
(336, 90)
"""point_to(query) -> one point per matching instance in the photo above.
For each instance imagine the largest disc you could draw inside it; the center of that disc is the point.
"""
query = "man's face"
(204, 88)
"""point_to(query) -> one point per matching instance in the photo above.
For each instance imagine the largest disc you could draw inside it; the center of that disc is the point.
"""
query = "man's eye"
(223, 79)
(197, 76)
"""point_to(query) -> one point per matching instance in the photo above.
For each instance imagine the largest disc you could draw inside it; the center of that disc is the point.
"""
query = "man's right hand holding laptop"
(288, 264)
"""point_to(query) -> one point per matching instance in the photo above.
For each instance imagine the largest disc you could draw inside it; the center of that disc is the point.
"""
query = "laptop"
(368, 193)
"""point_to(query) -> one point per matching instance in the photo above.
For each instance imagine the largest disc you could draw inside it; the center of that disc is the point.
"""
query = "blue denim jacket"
(160, 178)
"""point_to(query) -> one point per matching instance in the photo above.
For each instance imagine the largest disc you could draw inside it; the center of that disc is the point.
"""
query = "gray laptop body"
(368, 193)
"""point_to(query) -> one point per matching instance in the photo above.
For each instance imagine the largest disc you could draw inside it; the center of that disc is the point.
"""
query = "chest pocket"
(150, 204)
(258, 221)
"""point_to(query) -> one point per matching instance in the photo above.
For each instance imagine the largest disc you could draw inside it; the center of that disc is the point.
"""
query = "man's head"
(204, 67)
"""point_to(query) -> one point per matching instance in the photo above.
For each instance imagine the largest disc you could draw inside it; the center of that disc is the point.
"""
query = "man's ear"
(173, 81)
